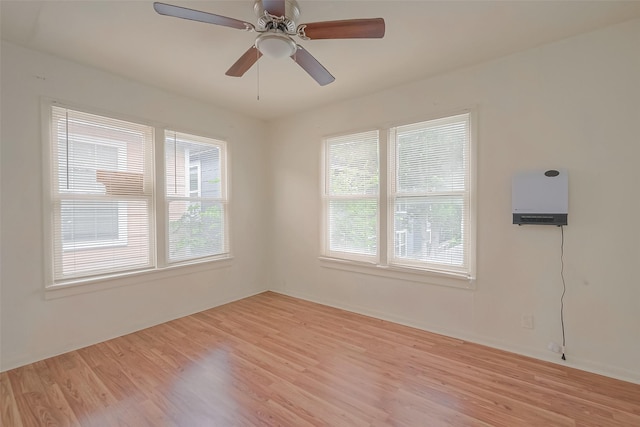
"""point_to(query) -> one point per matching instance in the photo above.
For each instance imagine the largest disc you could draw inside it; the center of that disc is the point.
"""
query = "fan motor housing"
(266, 21)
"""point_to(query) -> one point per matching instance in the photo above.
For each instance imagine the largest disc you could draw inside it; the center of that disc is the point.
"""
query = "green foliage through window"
(198, 232)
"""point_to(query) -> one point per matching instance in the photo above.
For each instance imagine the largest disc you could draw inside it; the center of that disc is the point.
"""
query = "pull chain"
(258, 74)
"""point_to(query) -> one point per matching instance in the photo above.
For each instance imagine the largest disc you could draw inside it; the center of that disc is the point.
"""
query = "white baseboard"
(31, 358)
(577, 363)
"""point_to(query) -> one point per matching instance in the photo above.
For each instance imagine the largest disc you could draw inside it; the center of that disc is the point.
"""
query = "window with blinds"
(426, 202)
(351, 195)
(102, 207)
(196, 197)
(429, 194)
(102, 194)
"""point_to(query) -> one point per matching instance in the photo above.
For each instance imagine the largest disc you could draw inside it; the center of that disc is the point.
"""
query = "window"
(352, 196)
(196, 196)
(98, 223)
(429, 189)
(102, 194)
(195, 181)
(103, 206)
(420, 220)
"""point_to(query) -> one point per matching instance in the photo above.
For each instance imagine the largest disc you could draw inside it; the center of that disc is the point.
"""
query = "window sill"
(401, 273)
(81, 286)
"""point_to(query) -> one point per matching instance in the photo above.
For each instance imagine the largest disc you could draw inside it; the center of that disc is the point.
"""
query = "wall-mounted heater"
(540, 197)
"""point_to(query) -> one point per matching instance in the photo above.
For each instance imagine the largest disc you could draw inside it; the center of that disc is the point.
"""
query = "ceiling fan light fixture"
(275, 45)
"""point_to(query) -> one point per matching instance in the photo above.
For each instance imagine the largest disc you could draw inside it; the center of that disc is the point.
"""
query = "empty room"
(319, 213)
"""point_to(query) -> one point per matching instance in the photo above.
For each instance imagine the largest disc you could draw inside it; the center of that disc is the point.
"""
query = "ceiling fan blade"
(196, 15)
(274, 7)
(311, 65)
(347, 29)
(245, 62)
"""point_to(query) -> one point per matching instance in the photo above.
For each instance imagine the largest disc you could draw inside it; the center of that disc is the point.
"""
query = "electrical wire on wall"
(564, 289)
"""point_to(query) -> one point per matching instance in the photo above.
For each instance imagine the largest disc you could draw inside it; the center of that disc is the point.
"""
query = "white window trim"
(427, 277)
(75, 287)
(381, 266)
(162, 269)
(165, 199)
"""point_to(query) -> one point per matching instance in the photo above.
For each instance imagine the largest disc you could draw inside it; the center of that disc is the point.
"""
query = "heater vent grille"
(546, 219)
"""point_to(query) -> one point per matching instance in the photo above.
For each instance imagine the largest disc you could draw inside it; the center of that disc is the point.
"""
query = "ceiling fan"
(276, 26)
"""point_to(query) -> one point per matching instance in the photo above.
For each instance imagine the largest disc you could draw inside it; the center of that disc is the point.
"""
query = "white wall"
(574, 104)
(34, 326)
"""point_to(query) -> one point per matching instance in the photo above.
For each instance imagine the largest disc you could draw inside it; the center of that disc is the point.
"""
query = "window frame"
(159, 264)
(59, 254)
(395, 193)
(384, 264)
(328, 198)
(223, 148)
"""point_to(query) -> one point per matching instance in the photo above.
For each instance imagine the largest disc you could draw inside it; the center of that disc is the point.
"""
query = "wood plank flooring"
(273, 360)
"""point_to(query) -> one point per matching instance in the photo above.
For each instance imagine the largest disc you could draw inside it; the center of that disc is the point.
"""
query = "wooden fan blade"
(347, 29)
(274, 7)
(245, 62)
(196, 15)
(311, 65)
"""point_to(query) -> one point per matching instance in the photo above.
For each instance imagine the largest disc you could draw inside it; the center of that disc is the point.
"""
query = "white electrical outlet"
(527, 321)
(555, 347)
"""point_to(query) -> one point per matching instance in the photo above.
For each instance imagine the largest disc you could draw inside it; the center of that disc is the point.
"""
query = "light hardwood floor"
(274, 360)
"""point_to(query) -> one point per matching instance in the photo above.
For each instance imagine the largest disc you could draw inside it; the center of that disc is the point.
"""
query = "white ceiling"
(423, 38)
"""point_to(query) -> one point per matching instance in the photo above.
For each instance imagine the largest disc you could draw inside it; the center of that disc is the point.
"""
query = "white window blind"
(351, 196)
(196, 197)
(429, 166)
(102, 191)
(411, 212)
